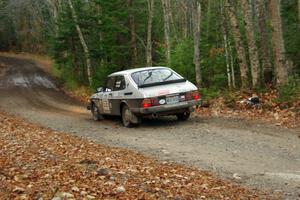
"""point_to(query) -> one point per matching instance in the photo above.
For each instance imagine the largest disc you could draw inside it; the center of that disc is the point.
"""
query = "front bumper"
(167, 109)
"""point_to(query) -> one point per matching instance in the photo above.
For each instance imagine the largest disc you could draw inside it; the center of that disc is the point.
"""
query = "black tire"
(183, 116)
(127, 116)
(95, 112)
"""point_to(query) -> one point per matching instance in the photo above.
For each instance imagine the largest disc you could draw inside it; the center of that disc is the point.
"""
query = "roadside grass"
(290, 92)
(70, 86)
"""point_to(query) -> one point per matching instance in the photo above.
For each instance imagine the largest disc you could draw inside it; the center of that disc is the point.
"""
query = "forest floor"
(37, 162)
(251, 153)
(267, 110)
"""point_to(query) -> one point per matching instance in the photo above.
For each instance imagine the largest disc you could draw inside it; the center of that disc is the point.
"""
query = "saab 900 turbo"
(137, 93)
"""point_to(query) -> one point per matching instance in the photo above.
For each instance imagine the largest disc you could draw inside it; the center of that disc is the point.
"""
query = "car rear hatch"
(169, 94)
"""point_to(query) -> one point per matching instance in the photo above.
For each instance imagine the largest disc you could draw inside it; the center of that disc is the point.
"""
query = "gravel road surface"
(257, 155)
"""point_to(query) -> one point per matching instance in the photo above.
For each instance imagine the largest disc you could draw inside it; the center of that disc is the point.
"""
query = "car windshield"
(155, 77)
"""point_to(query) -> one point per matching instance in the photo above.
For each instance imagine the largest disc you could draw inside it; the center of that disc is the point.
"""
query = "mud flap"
(134, 119)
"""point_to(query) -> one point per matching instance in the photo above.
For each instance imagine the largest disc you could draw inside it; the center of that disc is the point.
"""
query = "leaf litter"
(39, 163)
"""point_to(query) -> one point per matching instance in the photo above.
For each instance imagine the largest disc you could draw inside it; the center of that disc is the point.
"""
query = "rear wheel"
(95, 112)
(183, 116)
(128, 117)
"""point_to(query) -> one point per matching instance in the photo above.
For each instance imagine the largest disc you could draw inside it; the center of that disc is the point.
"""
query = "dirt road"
(257, 155)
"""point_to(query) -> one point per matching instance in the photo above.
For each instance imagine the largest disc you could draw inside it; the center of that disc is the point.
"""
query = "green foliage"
(101, 73)
(106, 30)
(182, 55)
(68, 80)
(290, 22)
(56, 72)
(290, 92)
(209, 93)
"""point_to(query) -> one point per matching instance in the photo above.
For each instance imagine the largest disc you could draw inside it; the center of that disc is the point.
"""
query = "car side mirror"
(100, 89)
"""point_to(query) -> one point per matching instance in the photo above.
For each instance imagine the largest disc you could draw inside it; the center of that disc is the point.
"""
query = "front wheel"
(183, 116)
(128, 117)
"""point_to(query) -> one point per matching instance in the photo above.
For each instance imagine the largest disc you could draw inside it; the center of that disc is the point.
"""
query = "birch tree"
(54, 6)
(132, 34)
(225, 39)
(241, 53)
(149, 33)
(253, 55)
(196, 15)
(231, 58)
(171, 19)
(264, 42)
(166, 30)
(280, 62)
(184, 18)
(83, 43)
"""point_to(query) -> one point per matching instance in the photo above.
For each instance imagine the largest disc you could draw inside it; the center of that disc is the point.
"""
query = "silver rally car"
(151, 91)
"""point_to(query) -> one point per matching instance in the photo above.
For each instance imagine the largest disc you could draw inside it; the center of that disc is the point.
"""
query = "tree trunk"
(225, 31)
(54, 7)
(166, 32)
(83, 43)
(75, 70)
(171, 20)
(299, 12)
(231, 65)
(227, 61)
(132, 34)
(185, 19)
(241, 54)
(280, 62)
(264, 42)
(253, 55)
(149, 33)
(196, 15)
(208, 16)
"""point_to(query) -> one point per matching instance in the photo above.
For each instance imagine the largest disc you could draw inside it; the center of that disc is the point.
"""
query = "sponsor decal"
(163, 92)
(105, 105)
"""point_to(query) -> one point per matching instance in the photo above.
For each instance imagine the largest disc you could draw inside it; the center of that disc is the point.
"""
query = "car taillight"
(196, 95)
(192, 95)
(146, 103)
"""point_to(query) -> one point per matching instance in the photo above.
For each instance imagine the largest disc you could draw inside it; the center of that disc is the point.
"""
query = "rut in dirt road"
(256, 155)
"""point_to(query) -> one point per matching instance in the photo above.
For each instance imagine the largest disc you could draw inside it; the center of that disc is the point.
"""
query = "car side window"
(120, 83)
(110, 84)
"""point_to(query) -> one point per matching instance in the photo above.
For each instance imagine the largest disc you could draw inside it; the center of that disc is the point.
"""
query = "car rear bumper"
(167, 109)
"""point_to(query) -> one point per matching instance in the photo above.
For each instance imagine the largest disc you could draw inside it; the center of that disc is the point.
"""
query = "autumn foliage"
(270, 108)
(37, 163)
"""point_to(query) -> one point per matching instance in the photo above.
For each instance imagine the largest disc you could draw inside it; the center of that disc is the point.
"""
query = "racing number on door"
(107, 95)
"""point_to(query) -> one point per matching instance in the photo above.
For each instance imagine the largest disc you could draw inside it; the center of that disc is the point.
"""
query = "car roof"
(130, 71)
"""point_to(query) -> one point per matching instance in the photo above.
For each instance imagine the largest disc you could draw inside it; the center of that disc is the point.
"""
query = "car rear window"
(153, 77)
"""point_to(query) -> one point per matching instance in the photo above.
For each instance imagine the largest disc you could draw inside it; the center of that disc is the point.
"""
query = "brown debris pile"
(280, 114)
(38, 163)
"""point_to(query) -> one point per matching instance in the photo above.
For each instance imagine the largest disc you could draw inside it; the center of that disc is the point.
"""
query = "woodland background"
(221, 45)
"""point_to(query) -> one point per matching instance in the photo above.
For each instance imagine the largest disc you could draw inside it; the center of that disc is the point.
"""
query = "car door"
(106, 106)
(117, 94)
